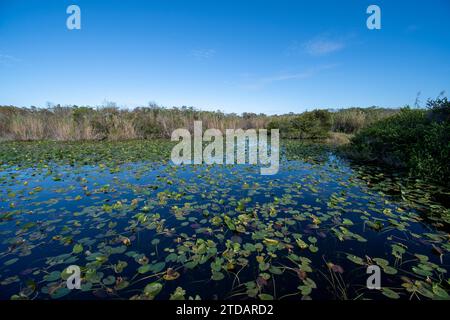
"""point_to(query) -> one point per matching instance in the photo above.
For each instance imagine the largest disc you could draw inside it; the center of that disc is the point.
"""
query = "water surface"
(150, 230)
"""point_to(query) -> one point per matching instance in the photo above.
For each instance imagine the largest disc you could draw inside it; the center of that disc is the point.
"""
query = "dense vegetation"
(317, 124)
(413, 139)
(308, 125)
(73, 123)
(417, 140)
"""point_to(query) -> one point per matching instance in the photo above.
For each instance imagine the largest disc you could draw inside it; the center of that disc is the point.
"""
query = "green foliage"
(439, 109)
(308, 125)
(417, 140)
(109, 122)
(284, 125)
(313, 125)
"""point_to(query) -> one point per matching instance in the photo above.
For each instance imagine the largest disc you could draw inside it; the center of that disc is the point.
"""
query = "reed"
(74, 123)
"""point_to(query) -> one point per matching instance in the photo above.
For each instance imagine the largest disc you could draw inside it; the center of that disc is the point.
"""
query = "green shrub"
(417, 140)
(439, 109)
(81, 114)
(285, 127)
(431, 158)
(313, 125)
(308, 125)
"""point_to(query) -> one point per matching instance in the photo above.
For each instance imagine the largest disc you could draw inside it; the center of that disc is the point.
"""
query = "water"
(223, 232)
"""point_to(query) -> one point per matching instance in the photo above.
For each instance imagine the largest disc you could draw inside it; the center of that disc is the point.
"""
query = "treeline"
(72, 123)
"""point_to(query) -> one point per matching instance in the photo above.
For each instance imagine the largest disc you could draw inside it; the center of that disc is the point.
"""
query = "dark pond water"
(150, 230)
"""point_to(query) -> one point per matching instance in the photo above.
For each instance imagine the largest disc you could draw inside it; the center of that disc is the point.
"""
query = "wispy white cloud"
(321, 46)
(7, 60)
(203, 53)
(318, 46)
(261, 82)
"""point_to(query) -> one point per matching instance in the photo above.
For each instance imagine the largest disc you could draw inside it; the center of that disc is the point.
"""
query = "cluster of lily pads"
(141, 228)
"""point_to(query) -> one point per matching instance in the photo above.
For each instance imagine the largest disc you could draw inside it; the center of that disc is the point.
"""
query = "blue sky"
(256, 56)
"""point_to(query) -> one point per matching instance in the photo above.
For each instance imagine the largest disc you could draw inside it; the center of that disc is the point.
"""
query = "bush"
(308, 125)
(431, 158)
(417, 140)
(285, 127)
(313, 125)
(439, 110)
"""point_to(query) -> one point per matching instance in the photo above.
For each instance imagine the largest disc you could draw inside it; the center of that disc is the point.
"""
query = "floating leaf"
(145, 268)
(271, 242)
(355, 259)
(390, 293)
(157, 267)
(265, 296)
(78, 248)
(59, 293)
(389, 270)
(217, 276)
(11, 261)
(152, 289)
(109, 280)
(53, 276)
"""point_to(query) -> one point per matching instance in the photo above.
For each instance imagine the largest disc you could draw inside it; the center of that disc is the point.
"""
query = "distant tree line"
(71, 123)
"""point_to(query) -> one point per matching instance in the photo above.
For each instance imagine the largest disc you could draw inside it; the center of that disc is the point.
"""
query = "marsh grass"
(352, 120)
(112, 123)
(74, 123)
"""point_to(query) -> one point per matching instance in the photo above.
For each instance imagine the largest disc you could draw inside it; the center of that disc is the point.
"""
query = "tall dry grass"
(112, 123)
(352, 120)
(73, 123)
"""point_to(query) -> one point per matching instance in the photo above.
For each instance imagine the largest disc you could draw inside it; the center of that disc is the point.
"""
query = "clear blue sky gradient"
(255, 56)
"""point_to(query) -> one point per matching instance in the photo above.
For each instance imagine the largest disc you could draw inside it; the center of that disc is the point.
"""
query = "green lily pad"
(152, 289)
(390, 293)
(217, 276)
(78, 248)
(265, 296)
(355, 259)
(11, 261)
(145, 268)
(52, 276)
(109, 280)
(59, 293)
